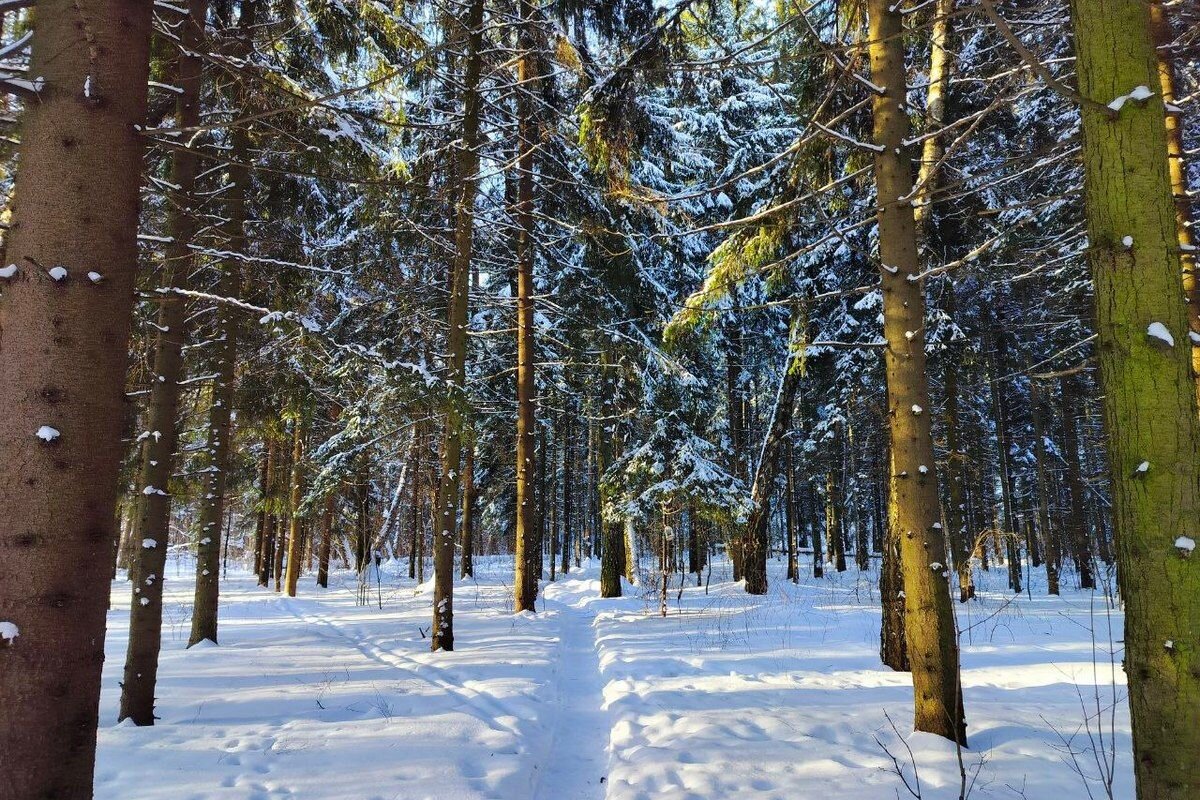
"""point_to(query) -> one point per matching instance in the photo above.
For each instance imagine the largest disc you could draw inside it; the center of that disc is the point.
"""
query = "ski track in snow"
(771, 698)
(576, 763)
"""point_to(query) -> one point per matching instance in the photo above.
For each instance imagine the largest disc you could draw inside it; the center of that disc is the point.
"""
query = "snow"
(1127, 241)
(1139, 93)
(1159, 331)
(1143, 467)
(9, 631)
(149, 544)
(1186, 544)
(47, 433)
(773, 697)
(95, 277)
(8, 272)
(58, 273)
(917, 410)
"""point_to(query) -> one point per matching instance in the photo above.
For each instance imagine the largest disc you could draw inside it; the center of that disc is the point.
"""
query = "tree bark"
(998, 364)
(568, 456)
(295, 549)
(612, 547)
(914, 509)
(467, 167)
(467, 562)
(1149, 395)
(326, 537)
(162, 434)
(1177, 165)
(758, 529)
(63, 353)
(1077, 515)
(212, 504)
(1049, 537)
(526, 581)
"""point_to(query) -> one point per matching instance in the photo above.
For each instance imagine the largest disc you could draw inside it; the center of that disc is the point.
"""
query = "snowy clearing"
(781, 696)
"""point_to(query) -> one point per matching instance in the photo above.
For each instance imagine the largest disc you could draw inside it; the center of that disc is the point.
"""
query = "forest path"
(575, 764)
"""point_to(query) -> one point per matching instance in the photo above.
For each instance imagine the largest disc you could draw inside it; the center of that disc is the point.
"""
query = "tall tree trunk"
(914, 513)
(213, 503)
(326, 537)
(1164, 37)
(525, 583)
(757, 539)
(1049, 537)
(162, 434)
(467, 166)
(467, 563)
(997, 366)
(266, 552)
(63, 352)
(261, 530)
(612, 549)
(736, 403)
(282, 518)
(1149, 396)
(295, 549)
(549, 505)
(793, 563)
(958, 533)
(414, 529)
(568, 451)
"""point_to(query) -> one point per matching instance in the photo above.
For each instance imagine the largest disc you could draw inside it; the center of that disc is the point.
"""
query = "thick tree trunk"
(525, 584)
(162, 434)
(914, 513)
(1149, 396)
(467, 166)
(63, 352)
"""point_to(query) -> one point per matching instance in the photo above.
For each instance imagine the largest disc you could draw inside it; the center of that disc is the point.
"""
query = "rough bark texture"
(62, 365)
(525, 584)
(914, 512)
(1149, 398)
(161, 434)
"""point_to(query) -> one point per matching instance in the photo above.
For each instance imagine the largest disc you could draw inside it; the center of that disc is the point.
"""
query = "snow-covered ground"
(781, 696)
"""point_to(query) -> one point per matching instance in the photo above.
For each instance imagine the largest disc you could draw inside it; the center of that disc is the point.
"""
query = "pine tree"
(914, 514)
(65, 312)
(1149, 395)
